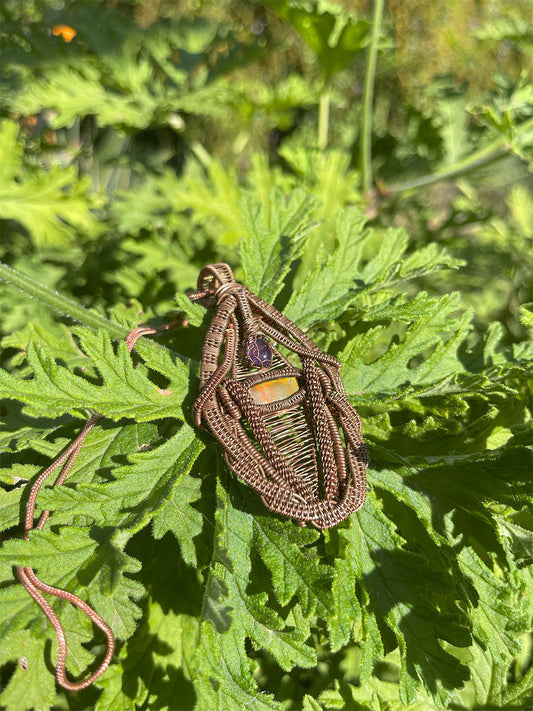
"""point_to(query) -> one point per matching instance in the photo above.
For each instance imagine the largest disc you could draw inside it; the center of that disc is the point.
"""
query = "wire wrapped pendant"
(288, 432)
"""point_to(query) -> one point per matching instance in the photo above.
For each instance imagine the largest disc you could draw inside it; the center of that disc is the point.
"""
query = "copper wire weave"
(304, 454)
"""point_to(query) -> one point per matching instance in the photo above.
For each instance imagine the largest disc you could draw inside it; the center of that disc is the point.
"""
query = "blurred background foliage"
(153, 110)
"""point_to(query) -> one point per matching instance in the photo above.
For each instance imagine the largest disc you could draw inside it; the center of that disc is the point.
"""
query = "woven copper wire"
(289, 451)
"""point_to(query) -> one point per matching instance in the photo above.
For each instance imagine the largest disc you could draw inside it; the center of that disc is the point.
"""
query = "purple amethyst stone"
(258, 351)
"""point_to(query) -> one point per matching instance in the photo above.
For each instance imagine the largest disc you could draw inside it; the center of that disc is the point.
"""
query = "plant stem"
(368, 97)
(203, 156)
(493, 151)
(323, 120)
(60, 303)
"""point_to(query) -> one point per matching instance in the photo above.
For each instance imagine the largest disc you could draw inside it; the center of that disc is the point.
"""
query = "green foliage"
(156, 142)
(124, 390)
(266, 580)
(333, 35)
(52, 205)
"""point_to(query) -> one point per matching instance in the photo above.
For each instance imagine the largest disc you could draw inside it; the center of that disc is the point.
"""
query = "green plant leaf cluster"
(161, 139)
(424, 567)
(53, 204)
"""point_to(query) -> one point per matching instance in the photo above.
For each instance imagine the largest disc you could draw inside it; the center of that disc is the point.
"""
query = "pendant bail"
(210, 280)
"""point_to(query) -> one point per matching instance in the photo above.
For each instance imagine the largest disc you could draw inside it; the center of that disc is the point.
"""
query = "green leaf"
(526, 315)
(213, 201)
(386, 571)
(296, 570)
(494, 619)
(155, 486)
(223, 683)
(311, 704)
(156, 483)
(10, 505)
(156, 666)
(31, 685)
(179, 515)
(330, 177)
(126, 391)
(433, 330)
(51, 205)
(276, 237)
(331, 286)
(59, 346)
(115, 83)
(92, 566)
(334, 35)
(194, 312)
(345, 620)
(373, 694)
(232, 613)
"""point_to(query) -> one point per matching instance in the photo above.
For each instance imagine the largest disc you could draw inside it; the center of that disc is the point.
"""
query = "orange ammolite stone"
(273, 390)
